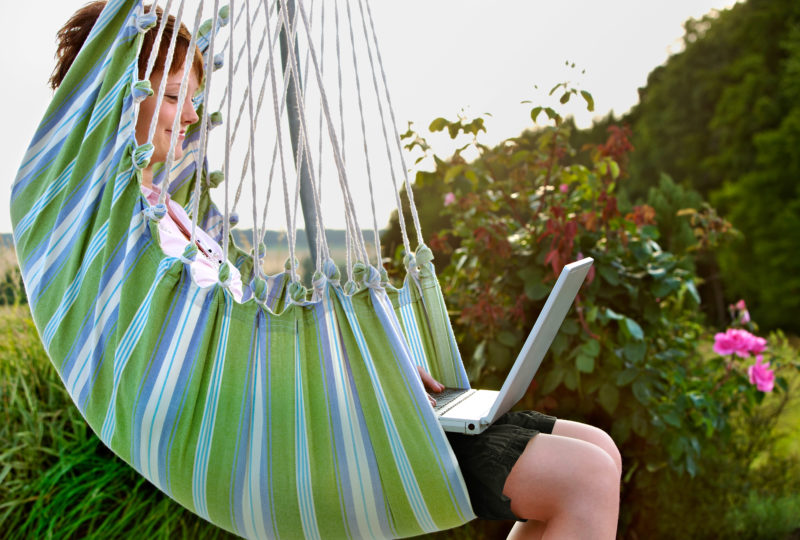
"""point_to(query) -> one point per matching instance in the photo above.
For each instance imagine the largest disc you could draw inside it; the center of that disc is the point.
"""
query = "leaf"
(690, 286)
(614, 169)
(535, 113)
(589, 100)
(509, 339)
(641, 391)
(633, 329)
(565, 97)
(591, 348)
(452, 172)
(672, 419)
(552, 380)
(611, 314)
(609, 274)
(438, 124)
(584, 363)
(608, 396)
(571, 379)
(626, 376)
(536, 290)
(635, 351)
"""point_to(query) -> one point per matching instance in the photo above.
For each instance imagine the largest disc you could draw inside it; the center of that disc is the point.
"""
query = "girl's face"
(170, 108)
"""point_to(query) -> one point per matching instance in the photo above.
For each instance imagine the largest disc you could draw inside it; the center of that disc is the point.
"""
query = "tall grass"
(57, 480)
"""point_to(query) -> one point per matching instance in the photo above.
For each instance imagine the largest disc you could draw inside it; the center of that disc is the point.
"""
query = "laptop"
(471, 411)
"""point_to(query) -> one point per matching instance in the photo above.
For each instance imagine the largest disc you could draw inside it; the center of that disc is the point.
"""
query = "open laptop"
(471, 411)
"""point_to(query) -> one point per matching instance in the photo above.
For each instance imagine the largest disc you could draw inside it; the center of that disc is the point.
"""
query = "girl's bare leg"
(569, 485)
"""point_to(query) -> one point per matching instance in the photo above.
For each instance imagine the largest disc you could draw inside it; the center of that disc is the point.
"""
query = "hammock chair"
(294, 413)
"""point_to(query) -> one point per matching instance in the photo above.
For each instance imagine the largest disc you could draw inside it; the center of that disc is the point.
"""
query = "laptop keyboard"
(446, 396)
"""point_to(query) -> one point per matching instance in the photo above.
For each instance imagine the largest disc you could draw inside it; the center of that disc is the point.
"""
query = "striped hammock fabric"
(276, 417)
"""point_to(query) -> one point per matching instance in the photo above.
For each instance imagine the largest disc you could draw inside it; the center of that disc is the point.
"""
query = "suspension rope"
(409, 191)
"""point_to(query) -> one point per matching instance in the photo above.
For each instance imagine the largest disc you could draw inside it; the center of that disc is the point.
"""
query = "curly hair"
(73, 34)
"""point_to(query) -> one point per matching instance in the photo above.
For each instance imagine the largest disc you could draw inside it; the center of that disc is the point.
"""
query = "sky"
(440, 57)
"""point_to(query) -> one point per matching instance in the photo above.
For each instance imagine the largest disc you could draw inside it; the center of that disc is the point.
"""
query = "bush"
(629, 358)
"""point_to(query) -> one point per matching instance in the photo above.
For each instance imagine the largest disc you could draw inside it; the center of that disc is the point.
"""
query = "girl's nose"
(189, 115)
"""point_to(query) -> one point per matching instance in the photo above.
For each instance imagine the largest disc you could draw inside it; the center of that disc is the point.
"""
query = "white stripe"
(203, 450)
(357, 469)
(126, 346)
(155, 412)
(410, 485)
(252, 503)
(68, 228)
(305, 493)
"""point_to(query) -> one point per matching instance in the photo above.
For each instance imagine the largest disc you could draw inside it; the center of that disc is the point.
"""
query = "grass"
(57, 480)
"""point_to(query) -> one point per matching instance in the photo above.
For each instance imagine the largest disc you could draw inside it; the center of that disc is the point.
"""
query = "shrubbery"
(634, 357)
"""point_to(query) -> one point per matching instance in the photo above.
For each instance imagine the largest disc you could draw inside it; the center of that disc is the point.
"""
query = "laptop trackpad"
(475, 407)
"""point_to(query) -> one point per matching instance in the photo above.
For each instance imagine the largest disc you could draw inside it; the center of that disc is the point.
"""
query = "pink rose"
(761, 375)
(449, 198)
(564, 188)
(739, 342)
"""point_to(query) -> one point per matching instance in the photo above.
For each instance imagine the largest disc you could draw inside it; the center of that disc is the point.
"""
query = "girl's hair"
(74, 33)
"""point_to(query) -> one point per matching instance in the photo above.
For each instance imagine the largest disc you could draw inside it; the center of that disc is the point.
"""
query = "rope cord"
(350, 251)
(204, 125)
(409, 191)
(334, 141)
(227, 163)
(319, 129)
(280, 143)
(176, 123)
(157, 43)
(398, 202)
(364, 136)
(251, 113)
(163, 84)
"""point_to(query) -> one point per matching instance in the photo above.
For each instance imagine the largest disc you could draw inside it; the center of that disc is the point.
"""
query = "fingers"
(431, 400)
(429, 382)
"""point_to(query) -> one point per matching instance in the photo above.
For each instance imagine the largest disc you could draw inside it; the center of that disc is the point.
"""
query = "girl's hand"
(430, 384)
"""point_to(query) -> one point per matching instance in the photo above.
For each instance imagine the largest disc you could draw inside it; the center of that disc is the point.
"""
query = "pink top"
(205, 268)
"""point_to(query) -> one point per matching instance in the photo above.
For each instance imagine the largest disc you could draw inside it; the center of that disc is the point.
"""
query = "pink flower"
(741, 305)
(564, 188)
(745, 317)
(761, 375)
(449, 198)
(739, 342)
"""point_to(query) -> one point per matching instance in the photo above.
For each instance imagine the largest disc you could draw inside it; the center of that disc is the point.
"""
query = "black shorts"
(486, 459)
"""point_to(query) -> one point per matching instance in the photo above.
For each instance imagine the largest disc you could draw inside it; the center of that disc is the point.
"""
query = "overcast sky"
(441, 56)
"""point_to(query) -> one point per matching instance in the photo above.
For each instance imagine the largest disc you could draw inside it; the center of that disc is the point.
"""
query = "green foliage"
(12, 290)
(723, 117)
(57, 480)
(629, 358)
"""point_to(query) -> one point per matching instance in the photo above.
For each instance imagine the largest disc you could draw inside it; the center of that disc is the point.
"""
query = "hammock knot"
(145, 21)
(215, 119)
(350, 288)
(156, 212)
(372, 278)
(225, 274)
(142, 155)
(219, 61)
(262, 251)
(189, 253)
(260, 289)
(332, 271)
(215, 178)
(288, 265)
(359, 272)
(297, 292)
(233, 219)
(224, 15)
(318, 282)
(141, 90)
(424, 255)
(384, 276)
